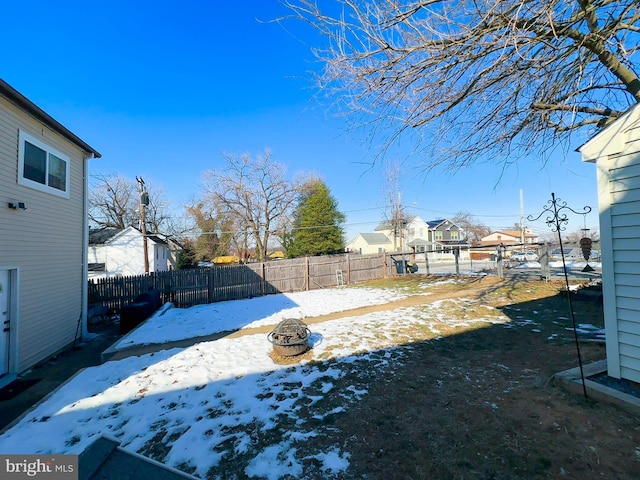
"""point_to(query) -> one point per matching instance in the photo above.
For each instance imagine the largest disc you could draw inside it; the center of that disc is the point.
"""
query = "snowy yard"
(226, 403)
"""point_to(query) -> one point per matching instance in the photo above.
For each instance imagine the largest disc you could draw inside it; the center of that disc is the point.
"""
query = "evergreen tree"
(317, 222)
(186, 257)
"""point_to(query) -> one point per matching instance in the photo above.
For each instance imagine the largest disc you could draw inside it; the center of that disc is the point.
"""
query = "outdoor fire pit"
(290, 337)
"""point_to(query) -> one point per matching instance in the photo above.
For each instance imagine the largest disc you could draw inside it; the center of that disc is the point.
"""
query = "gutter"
(85, 245)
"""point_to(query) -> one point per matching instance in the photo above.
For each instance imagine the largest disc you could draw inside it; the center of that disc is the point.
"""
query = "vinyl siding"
(123, 255)
(44, 242)
(360, 245)
(619, 171)
(623, 185)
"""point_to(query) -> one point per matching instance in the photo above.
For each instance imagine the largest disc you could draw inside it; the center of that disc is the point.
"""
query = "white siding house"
(616, 153)
(121, 252)
(413, 228)
(43, 202)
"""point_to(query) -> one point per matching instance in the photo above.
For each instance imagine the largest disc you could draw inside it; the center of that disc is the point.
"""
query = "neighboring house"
(173, 253)
(616, 152)
(509, 237)
(439, 239)
(445, 235)
(43, 234)
(412, 228)
(114, 252)
(366, 243)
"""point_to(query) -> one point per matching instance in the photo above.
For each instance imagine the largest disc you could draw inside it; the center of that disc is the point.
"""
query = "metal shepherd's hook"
(557, 220)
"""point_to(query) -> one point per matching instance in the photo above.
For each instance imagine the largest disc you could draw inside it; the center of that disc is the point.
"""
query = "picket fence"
(185, 288)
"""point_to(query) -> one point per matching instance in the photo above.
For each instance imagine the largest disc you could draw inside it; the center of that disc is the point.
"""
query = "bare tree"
(114, 201)
(395, 216)
(254, 192)
(473, 229)
(158, 211)
(478, 79)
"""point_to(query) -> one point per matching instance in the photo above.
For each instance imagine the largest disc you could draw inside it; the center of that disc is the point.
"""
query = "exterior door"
(4, 322)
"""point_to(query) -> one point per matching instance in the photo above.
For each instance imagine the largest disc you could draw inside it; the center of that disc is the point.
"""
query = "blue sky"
(162, 88)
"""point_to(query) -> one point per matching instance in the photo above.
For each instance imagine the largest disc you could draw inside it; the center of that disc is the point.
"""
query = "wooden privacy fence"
(185, 288)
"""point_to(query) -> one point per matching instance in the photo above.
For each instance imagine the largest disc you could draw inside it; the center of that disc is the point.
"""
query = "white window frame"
(22, 180)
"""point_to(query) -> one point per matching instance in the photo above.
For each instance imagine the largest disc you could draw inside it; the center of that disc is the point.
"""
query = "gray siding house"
(43, 234)
(616, 153)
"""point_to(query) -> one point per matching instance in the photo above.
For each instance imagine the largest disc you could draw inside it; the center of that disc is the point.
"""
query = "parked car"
(524, 257)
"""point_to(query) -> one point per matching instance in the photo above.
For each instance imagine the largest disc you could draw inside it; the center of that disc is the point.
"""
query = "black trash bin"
(142, 307)
(400, 266)
(405, 266)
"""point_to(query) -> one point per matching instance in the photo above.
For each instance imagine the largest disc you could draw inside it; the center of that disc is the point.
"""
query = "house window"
(41, 167)
(454, 235)
(421, 232)
(438, 234)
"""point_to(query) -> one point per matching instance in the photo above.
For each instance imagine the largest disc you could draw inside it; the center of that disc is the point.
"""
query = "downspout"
(85, 245)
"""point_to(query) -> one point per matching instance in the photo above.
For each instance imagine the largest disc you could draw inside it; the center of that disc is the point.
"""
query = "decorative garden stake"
(585, 245)
(557, 219)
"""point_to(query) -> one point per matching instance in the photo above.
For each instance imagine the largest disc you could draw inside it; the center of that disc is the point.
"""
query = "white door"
(4, 322)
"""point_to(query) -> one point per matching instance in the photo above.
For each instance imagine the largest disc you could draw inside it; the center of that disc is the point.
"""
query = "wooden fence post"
(307, 273)
(385, 272)
(348, 260)
(210, 286)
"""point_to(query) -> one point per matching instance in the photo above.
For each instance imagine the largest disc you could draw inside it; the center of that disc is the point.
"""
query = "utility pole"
(144, 202)
(522, 231)
(400, 220)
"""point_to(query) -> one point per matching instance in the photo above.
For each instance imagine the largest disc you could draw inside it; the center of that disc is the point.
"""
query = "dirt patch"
(476, 400)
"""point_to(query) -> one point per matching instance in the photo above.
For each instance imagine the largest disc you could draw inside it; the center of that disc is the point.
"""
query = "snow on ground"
(226, 402)
(171, 324)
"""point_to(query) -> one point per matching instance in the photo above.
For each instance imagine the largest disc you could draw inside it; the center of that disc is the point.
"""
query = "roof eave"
(15, 97)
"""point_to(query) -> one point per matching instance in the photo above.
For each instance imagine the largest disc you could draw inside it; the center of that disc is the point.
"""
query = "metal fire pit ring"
(290, 337)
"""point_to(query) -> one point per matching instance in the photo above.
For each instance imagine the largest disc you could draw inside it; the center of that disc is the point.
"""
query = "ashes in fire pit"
(290, 337)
